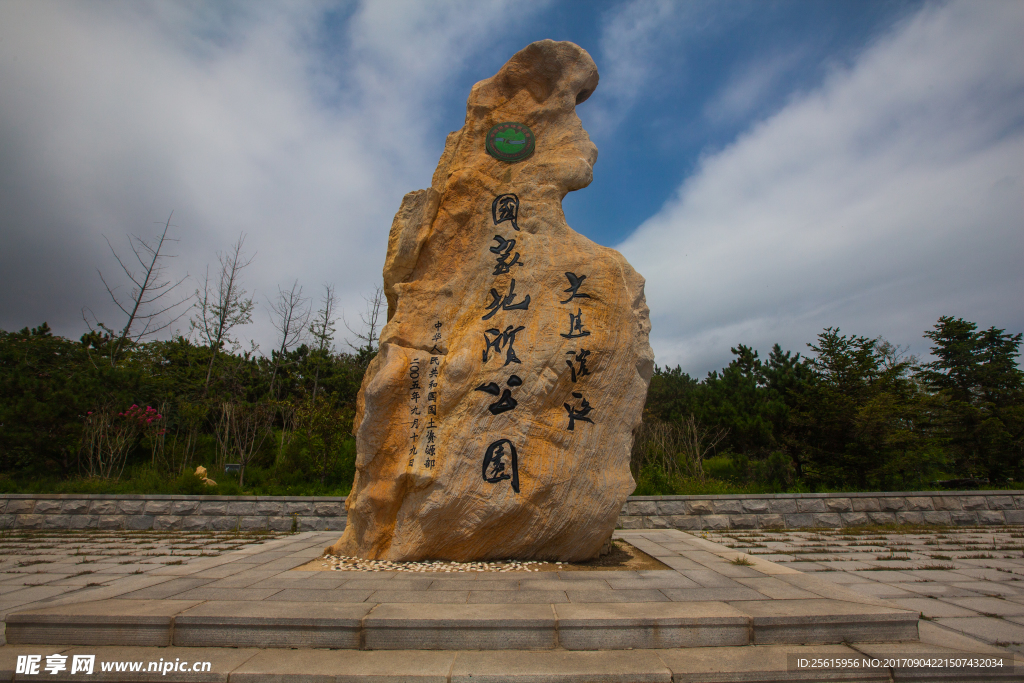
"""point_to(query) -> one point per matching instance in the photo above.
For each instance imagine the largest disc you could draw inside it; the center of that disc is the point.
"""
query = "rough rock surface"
(496, 421)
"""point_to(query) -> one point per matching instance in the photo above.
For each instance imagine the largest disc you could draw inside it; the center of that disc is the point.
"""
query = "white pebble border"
(342, 563)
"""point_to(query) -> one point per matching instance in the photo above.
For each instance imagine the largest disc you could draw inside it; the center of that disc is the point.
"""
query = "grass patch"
(742, 562)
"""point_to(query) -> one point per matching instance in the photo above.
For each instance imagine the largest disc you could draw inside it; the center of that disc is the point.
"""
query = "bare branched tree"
(323, 330)
(222, 306)
(678, 449)
(371, 322)
(289, 316)
(251, 426)
(149, 307)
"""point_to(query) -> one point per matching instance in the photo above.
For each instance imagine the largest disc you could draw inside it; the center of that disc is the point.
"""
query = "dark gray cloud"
(259, 118)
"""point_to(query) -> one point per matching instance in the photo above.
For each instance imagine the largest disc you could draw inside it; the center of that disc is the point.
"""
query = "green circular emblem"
(510, 141)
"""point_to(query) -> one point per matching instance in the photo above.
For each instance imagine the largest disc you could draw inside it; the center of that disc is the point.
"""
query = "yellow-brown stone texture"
(468, 371)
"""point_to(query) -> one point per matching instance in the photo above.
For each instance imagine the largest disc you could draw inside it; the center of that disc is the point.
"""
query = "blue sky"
(771, 168)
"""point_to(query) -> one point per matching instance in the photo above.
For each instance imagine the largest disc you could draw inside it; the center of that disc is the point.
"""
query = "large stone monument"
(496, 422)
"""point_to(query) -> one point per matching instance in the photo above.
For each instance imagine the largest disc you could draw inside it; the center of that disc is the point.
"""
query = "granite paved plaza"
(715, 614)
(966, 579)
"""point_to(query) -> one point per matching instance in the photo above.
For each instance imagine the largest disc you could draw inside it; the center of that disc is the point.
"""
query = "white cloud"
(635, 39)
(240, 117)
(749, 88)
(887, 197)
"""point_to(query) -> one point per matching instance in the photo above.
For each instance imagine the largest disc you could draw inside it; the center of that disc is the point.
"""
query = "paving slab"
(271, 624)
(307, 595)
(826, 621)
(106, 622)
(1002, 632)
(420, 626)
(762, 663)
(623, 666)
(650, 625)
(933, 608)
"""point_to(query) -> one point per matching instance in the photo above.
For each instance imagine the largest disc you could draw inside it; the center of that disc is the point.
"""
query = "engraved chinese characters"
(527, 343)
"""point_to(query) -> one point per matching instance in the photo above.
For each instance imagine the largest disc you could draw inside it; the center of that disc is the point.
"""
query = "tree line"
(855, 413)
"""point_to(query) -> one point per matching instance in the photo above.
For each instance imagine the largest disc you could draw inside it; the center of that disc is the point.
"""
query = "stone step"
(747, 664)
(421, 626)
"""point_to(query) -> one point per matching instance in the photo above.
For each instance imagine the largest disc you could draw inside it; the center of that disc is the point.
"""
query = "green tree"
(979, 407)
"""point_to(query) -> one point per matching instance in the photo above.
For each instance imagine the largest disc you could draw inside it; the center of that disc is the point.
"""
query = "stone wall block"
(838, 504)
(19, 506)
(909, 517)
(57, 522)
(298, 509)
(810, 505)
(727, 507)
(131, 507)
(783, 506)
(742, 521)
(212, 508)
(830, 520)
(242, 509)
(658, 522)
(252, 523)
(963, 518)
(285, 523)
(699, 507)
(771, 522)
(882, 517)
(195, 523)
(158, 507)
(946, 503)
(684, 522)
(140, 522)
(309, 523)
(184, 507)
(973, 502)
(328, 509)
(1018, 502)
(3, 504)
(166, 522)
(1014, 516)
(625, 522)
(74, 507)
(223, 523)
(919, 503)
(892, 504)
(30, 521)
(642, 507)
(940, 517)
(103, 507)
(757, 506)
(991, 517)
(994, 503)
(83, 521)
(47, 507)
(111, 522)
(865, 504)
(716, 522)
(855, 518)
(7, 521)
(268, 507)
(800, 520)
(671, 507)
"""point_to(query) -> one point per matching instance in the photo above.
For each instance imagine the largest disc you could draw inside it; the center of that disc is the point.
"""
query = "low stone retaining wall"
(187, 513)
(284, 513)
(823, 510)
